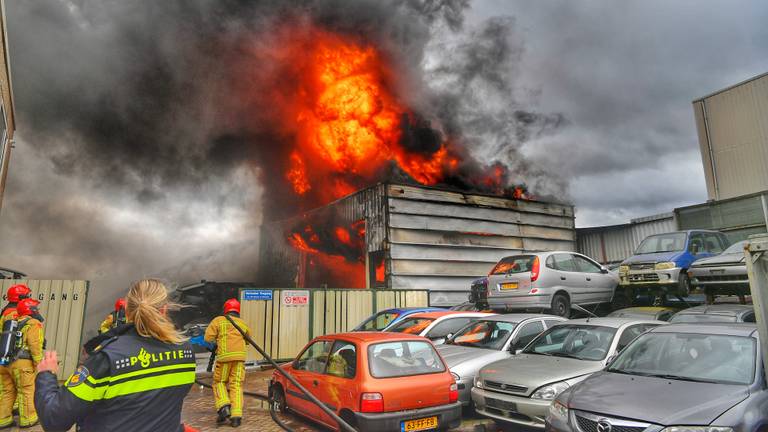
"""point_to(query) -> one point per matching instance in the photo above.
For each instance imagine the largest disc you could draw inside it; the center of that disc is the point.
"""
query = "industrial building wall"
(7, 110)
(732, 125)
(442, 241)
(738, 217)
(613, 244)
(62, 305)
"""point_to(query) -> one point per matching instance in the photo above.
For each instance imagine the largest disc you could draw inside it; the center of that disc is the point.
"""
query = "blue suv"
(660, 264)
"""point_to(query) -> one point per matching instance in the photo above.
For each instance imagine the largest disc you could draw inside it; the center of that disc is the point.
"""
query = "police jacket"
(130, 383)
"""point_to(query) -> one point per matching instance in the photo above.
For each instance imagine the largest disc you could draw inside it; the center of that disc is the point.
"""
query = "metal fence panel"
(62, 305)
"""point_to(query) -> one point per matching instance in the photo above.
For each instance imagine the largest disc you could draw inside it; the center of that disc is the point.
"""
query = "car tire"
(561, 306)
(279, 403)
(349, 418)
(684, 284)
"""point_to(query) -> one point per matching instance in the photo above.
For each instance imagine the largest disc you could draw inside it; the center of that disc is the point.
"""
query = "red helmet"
(231, 305)
(27, 307)
(120, 304)
(18, 292)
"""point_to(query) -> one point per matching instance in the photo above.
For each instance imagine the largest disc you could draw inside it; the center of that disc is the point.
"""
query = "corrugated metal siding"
(738, 218)
(442, 240)
(615, 243)
(737, 125)
(62, 304)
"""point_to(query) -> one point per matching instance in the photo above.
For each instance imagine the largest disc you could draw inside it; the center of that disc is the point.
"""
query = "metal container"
(425, 238)
(614, 243)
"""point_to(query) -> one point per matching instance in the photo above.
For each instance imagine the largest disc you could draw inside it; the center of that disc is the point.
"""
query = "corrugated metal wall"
(442, 241)
(738, 218)
(733, 135)
(282, 330)
(62, 304)
(612, 244)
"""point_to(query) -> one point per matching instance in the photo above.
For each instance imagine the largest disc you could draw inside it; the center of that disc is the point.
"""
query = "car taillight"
(371, 403)
(453, 393)
(535, 269)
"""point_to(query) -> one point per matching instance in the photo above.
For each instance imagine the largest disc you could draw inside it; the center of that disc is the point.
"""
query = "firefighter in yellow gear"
(229, 372)
(115, 318)
(16, 293)
(24, 366)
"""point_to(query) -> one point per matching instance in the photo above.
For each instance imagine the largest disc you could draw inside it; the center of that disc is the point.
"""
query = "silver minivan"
(550, 281)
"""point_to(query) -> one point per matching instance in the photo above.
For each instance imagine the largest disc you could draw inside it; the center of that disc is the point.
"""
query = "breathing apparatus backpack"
(9, 339)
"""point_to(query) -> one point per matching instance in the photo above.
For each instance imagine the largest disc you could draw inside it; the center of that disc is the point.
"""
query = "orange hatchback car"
(374, 381)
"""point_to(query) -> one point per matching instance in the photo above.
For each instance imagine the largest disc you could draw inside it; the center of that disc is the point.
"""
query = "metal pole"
(756, 252)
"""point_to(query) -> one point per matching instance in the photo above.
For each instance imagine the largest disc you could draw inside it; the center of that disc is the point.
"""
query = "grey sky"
(624, 74)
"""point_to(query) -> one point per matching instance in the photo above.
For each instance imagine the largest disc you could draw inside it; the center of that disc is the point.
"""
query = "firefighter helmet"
(231, 305)
(27, 307)
(120, 305)
(18, 292)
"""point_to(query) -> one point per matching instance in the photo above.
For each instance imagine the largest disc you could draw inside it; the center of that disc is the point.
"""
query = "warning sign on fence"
(295, 298)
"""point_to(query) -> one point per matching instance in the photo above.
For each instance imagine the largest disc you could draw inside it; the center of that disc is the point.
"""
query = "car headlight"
(623, 269)
(697, 429)
(558, 411)
(478, 382)
(455, 376)
(549, 392)
(665, 265)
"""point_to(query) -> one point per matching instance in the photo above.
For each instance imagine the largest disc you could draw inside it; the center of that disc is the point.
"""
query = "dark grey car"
(691, 377)
(719, 313)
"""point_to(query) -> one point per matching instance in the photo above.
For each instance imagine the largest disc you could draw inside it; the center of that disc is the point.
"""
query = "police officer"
(15, 294)
(115, 318)
(230, 363)
(135, 381)
(28, 355)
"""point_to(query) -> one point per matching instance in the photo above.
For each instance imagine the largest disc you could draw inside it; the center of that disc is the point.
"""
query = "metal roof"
(731, 87)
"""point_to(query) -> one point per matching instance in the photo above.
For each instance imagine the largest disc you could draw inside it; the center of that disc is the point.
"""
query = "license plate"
(500, 404)
(419, 424)
(509, 285)
(717, 271)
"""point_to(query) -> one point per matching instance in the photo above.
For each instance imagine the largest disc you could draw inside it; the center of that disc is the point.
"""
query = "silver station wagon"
(550, 281)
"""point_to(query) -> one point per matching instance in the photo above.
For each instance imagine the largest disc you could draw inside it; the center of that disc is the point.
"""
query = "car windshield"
(411, 325)
(484, 334)
(582, 342)
(690, 357)
(736, 248)
(671, 242)
(514, 264)
(702, 318)
(403, 358)
(378, 322)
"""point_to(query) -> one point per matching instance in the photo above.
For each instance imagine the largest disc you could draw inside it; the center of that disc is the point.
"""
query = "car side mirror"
(514, 346)
(518, 351)
(603, 270)
(611, 359)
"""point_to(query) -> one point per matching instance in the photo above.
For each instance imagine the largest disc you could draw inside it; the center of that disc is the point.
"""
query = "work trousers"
(228, 380)
(18, 379)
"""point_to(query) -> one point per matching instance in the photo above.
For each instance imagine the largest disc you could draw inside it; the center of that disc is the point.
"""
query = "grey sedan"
(720, 313)
(549, 281)
(487, 340)
(681, 377)
(519, 390)
(724, 274)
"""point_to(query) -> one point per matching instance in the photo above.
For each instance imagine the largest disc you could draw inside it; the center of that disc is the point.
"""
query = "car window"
(411, 325)
(586, 266)
(379, 321)
(669, 242)
(712, 243)
(448, 326)
(629, 334)
(314, 358)
(484, 334)
(550, 263)
(575, 341)
(403, 358)
(565, 262)
(665, 316)
(514, 264)
(696, 245)
(343, 360)
(551, 323)
(528, 333)
(749, 318)
(736, 248)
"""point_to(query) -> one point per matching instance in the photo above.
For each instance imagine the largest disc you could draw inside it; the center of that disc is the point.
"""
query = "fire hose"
(342, 424)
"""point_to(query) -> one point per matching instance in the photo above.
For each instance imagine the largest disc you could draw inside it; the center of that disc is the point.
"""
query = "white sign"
(295, 298)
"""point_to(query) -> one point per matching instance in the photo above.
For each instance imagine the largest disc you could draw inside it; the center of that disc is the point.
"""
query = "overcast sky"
(624, 73)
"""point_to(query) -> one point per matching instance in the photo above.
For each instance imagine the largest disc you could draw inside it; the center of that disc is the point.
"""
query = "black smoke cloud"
(135, 153)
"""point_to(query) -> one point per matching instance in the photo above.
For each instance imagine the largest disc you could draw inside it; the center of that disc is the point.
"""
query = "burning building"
(409, 237)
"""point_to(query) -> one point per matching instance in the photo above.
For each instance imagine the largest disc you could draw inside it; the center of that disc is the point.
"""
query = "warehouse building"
(7, 111)
(410, 237)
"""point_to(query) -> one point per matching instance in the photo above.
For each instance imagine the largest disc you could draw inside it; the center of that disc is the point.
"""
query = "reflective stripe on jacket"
(230, 343)
(131, 383)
